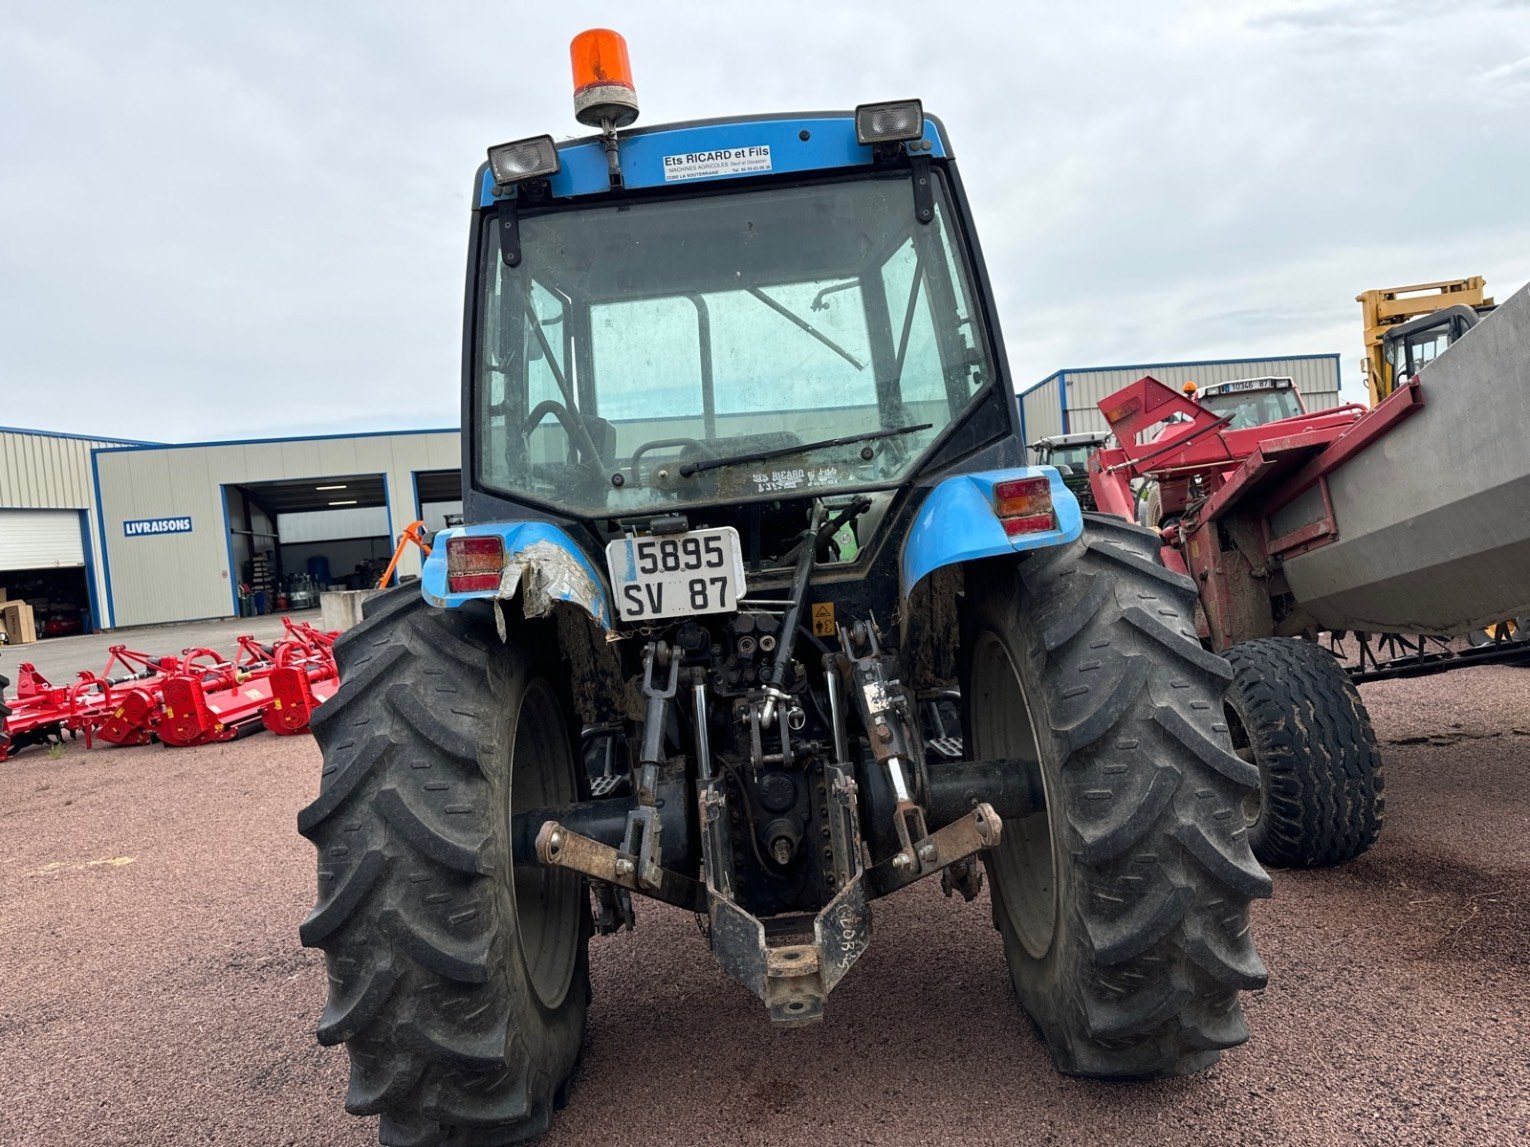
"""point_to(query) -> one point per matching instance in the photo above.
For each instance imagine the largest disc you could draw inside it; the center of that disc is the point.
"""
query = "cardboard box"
(16, 619)
(2, 593)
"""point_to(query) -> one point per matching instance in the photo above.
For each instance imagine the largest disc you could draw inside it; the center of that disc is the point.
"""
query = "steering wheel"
(540, 411)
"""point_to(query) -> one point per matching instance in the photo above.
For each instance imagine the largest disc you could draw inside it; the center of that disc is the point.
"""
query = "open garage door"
(42, 562)
(291, 539)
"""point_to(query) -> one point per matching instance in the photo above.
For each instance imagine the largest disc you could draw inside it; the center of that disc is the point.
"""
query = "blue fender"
(541, 562)
(957, 523)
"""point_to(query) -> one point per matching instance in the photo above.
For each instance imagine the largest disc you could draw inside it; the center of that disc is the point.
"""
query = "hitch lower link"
(884, 710)
(637, 865)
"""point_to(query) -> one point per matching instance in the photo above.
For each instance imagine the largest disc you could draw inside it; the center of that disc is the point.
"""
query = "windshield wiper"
(689, 468)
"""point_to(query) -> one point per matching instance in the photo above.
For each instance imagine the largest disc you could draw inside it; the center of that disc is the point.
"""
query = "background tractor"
(1070, 454)
(758, 612)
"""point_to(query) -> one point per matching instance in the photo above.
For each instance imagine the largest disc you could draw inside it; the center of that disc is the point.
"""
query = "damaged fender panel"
(542, 563)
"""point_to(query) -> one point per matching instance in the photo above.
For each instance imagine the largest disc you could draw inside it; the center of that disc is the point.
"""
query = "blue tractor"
(758, 612)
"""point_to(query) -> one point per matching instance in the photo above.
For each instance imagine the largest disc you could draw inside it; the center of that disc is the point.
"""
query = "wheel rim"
(1024, 865)
(547, 900)
(1253, 801)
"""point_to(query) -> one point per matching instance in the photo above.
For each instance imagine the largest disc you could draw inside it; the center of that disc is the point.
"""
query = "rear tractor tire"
(458, 982)
(1296, 715)
(1124, 903)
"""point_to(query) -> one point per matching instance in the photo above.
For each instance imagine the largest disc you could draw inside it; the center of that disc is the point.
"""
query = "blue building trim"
(291, 438)
(388, 506)
(1062, 398)
(106, 554)
(90, 572)
(228, 545)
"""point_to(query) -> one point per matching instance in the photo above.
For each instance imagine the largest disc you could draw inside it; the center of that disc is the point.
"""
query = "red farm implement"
(42, 712)
(211, 699)
(303, 677)
(1244, 512)
(1221, 491)
(193, 699)
(276, 687)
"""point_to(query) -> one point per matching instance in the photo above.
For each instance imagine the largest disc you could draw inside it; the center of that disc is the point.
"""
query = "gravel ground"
(152, 990)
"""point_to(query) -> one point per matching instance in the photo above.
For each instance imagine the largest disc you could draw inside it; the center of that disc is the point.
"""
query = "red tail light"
(474, 563)
(1024, 505)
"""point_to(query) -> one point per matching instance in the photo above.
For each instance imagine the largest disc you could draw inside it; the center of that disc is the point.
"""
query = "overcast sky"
(234, 220)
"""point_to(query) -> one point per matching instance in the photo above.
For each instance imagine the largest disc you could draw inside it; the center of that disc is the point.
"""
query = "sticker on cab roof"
(723, 161)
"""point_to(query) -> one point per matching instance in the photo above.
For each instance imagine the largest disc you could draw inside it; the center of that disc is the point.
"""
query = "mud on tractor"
(758, 612)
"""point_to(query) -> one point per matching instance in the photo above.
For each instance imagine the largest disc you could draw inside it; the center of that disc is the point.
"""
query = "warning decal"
(724, 161)
(823, 619)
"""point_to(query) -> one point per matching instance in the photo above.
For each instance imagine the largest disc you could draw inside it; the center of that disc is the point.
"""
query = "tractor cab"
(1249, 402)
(1070, 453)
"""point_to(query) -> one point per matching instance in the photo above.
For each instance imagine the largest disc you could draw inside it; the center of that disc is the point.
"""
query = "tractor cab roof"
(708, 151)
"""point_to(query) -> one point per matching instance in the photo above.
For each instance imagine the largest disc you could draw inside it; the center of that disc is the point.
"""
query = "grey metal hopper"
(1434, 518)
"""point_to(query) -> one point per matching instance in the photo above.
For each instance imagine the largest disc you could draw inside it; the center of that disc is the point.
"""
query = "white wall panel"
(332, 525)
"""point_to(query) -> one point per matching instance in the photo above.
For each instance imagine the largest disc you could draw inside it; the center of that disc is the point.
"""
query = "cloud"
(246, 220)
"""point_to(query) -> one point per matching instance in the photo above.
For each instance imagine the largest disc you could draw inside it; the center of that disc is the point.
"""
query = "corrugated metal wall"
(42, 471)
(1317, 376)
(182, 576)
(45, 471)
(1041, 410)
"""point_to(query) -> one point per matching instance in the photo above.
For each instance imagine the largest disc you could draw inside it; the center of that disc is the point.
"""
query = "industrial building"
(186, 531)
(1065, 401)
(48, 551)
(101, 533)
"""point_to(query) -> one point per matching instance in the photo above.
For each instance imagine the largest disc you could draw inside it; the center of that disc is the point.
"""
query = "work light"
(889, 123)
(524, 159)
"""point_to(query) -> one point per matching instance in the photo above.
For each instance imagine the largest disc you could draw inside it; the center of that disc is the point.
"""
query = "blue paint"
(228, 542)
(155, 527)
(517, 536)
(291, 438)
(830, 146)
(957, 523)
(90, 573)
(388, 508)
(106, 553)
(1151, 366)
(1062, 398)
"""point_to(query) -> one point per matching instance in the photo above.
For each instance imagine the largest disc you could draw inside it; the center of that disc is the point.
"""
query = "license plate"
(676, 575)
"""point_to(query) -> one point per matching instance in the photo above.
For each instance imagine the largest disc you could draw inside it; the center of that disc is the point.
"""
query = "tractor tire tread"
(1149, 809)
(407, 912)
(1324, 796)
